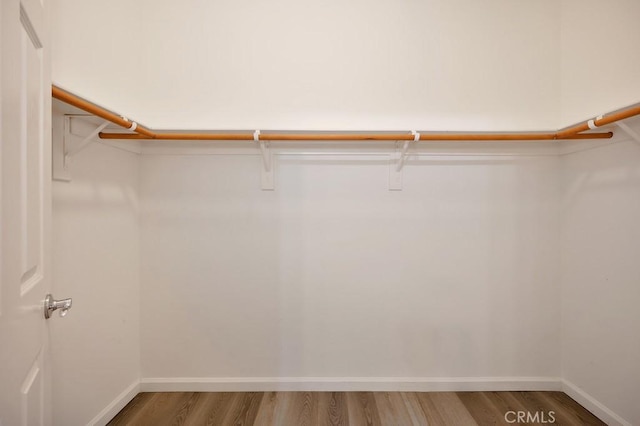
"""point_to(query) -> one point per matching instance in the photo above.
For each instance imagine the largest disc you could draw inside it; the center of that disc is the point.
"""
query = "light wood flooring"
(351, 408)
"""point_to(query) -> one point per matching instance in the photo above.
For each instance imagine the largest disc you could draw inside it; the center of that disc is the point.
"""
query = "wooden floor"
(352, 408)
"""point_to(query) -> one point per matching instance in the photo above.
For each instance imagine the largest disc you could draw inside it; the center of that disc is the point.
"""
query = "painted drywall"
(290, 64)
(95, 348)
(333, 275)
(600, 60)
(286, 64)
(600, 275)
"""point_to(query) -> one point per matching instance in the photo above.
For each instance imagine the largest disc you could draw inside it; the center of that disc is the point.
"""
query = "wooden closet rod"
(98, 111)
(602, 120)
(355, 136)
(142, 132)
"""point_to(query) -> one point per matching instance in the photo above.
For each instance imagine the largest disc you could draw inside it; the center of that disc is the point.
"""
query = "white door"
(25, 212)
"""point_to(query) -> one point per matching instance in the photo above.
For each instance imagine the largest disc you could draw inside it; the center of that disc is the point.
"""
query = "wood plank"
(182, 414)
(129, 413)
(302, 409)
(481, 408)
(506, 402)
(414, 408)
(560, 402)
(362, 409)
(534, 403)
(392, 408)
(211, 409)
(444, 408)
(159, 410)
(332, 408)
(268, 407)
(282, 408)
(243, 408)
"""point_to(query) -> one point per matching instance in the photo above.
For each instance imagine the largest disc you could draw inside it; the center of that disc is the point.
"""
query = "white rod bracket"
(403, 156)
(397, 162)
(71, 151)
(629, 131)
(61, 128)
(395, 175)
(267, 181)
(133, 126)
(592, 123)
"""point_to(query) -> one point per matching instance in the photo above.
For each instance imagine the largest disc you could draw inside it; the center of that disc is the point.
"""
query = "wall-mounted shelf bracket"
(397, 162)
(629, 131)
(267, 181)
(67, 144)
(71, 149)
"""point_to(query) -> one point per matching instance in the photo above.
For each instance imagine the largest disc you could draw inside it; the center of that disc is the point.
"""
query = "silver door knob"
(50, 305)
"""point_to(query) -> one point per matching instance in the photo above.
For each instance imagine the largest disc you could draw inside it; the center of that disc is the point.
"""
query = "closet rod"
(356, 136)
(600, 121)
(98, 111)
(142, 132)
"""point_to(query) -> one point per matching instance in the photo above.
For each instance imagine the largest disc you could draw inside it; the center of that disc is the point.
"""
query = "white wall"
(600, 60)
(333, 275)
(97, 47)
(291, 64)
(286, 64)
(600, 276)
(95, 348)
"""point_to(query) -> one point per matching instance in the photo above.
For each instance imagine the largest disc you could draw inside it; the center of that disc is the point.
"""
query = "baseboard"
(110, 411)
(590, 403)
(409, 384)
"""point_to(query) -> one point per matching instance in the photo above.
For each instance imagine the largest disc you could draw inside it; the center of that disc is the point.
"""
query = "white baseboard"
(409, 384)
(110, 411)
(590, 403)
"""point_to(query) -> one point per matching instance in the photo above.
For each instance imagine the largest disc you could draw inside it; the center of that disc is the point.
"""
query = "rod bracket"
(71, 149)
(398, 160)
(67, 144)
(267, 181)
(133, 126)
(592, 123)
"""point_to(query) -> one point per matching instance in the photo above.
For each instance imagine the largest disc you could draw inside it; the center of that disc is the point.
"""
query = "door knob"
(50, 305)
